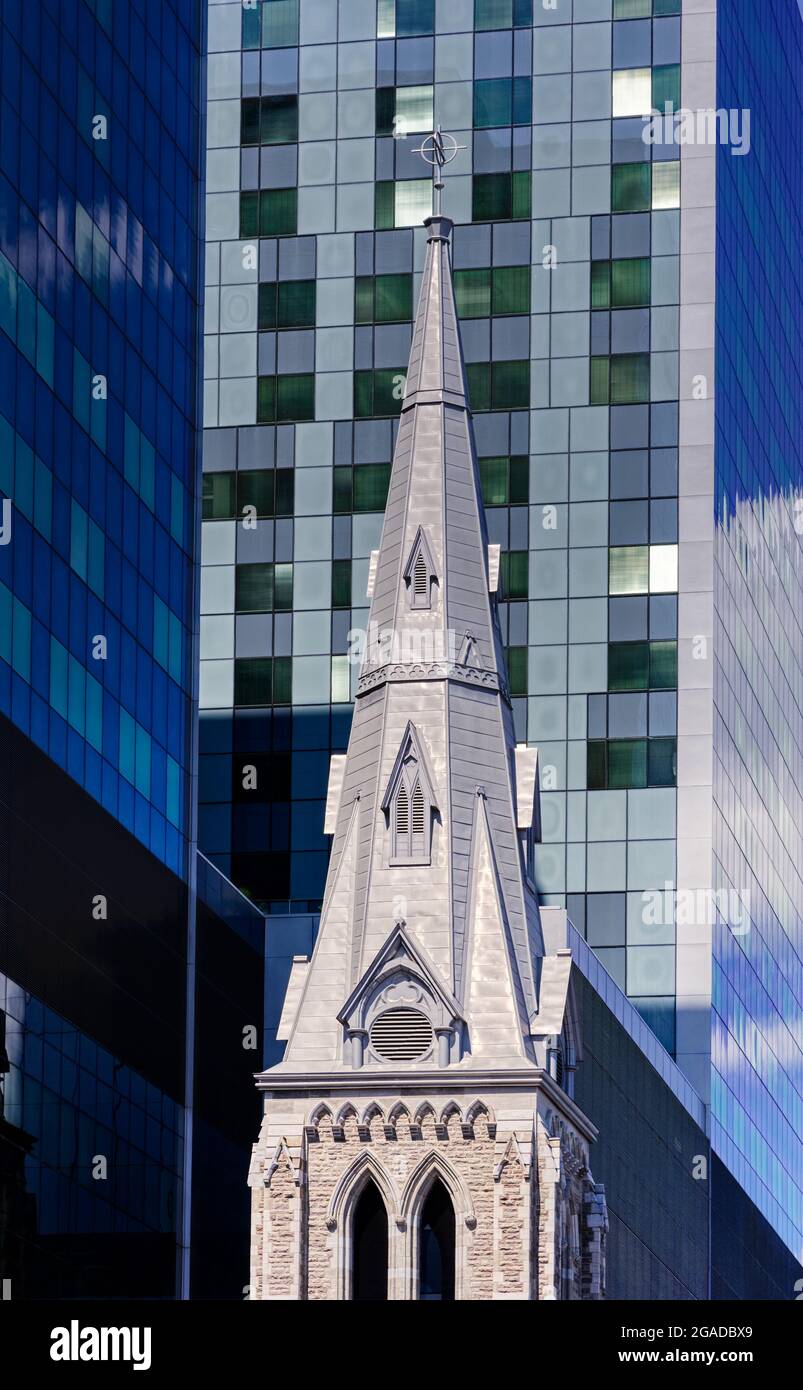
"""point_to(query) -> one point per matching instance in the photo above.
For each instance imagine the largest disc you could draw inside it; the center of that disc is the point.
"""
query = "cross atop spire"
(438, 149)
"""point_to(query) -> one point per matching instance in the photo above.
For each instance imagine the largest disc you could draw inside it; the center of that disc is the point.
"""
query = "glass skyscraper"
(644, 502)
(117, 967)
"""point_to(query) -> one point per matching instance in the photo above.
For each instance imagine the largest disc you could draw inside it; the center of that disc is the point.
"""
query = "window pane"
(630, 187)
(629, 569)
(252, 27)
(596, 765)
(511, 385)
(266, 399)
(279, 23)
(249, 122)
(342, 490)
(384, 205)
(631, 9)
(493, 14)
(282, 680)
(255, 489)
(385, 110)
(218, 496)
(600, 380)
(522, 13)
(478, 381)
(413, 202)
(267, 307)
(517, 670)
(632, 92)
(279, 124)
(341, 583)
(252, 681)
(521, 197)
(394, 298)
(630, 378)
(662, 769)
(278, 211)
(297, 304)
(630, 282)
(493, 476)
(663, 569)
(522, 100)
(414, 111)
(493, 102)
(663, 665)
(254, 589)
(517, 576)
(371, 483)
(661, 7)
(249, 214)
(364, 299)
(472, 292)
(666, 184)
(600, 284)
(341, 692)
(511, 289)
(363, 394)
(296, 397)
(666, 87)
(414, 17)
(283, 588)
(491, 197)
(386, 19)
(627, 763)
(519, 480)
(285, 492)
(627, 665)
(389, 386)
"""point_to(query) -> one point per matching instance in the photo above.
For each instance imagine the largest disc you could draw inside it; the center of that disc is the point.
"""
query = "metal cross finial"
(438, 149)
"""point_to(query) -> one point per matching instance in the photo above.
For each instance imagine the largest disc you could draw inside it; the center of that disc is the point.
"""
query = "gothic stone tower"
(419, 1139)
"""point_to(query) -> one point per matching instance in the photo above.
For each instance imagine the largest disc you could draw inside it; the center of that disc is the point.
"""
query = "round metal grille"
(401, 1035)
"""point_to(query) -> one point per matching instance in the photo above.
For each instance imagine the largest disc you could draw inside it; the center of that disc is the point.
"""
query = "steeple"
(429, 909)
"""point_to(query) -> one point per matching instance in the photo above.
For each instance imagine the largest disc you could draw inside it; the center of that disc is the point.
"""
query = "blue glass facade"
(99, 221)
(757, 990)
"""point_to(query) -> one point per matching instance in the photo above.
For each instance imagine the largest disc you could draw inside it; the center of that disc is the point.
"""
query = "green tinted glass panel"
(266, 399)
(363, 394)
(385, 110)
(296, 304)
(661, 7)
(600, 380)
(279, 23)
(371, 483)
(666, 86)
(631, 9)
(285, 491)
(631, 189)
(414, 17)
(249, 121)
(493, 102)
(252, 28)
(493, 476)
(478, 379)
(663, 665)
(341, 583)
(342, 496)
(511, 289)
(630, 378)
(517, 670)
(385, 205)
(279, 120)
(600, 284)
(295, 398)
(628, 665)
(662, 766)
(596, 765)
(522, 13)
(253, 680)
(267, 306)
(393, 298)
(511, 385)
(283, 588)
(522, 100)
(491, 197)
(254, 589)
(519, 480)
(218, 496)
(278, 211)
(249, 214)
(630, 282)
(255, 489)
(493, 14)
(472, 292)
(282, 680)
(627, 763)
(388, 390)
(364, 299)
(521, 197)
(517, 574)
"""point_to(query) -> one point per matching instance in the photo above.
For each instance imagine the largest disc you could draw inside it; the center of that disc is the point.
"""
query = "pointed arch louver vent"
(401, 1035)
(420, 578)
(409, 804)
(419, 572)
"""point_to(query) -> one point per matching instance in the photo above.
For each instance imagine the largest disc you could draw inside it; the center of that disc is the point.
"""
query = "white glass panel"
(666, 184)
(216, 689)
(632, 92)
(663, 569)
(413, 202)
(413, 110)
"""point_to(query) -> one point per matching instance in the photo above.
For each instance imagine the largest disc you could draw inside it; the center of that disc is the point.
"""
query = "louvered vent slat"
(401, 1035)
(401, 811)
(420, 576)
(418, 810)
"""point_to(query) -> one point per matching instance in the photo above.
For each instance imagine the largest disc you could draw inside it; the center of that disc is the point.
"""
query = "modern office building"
(123, 967)
(645, 498)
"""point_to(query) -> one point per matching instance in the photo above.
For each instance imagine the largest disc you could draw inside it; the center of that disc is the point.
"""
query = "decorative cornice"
(431, 671)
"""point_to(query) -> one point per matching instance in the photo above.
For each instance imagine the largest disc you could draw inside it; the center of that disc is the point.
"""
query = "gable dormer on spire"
(419, 573)
(409, 804)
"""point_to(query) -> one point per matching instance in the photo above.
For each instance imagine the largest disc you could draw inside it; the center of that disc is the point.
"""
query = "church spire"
(428, 895)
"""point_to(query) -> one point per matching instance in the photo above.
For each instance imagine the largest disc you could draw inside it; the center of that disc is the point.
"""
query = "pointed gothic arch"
(409, 803)
(435, 1167)
(419, 573)
(340, 1215)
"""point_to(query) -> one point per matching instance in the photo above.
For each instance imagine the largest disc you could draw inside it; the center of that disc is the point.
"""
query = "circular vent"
(401, 1035)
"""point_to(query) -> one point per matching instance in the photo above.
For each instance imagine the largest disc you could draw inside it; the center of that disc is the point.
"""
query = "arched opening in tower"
(437, 1246)
(369, 1243)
